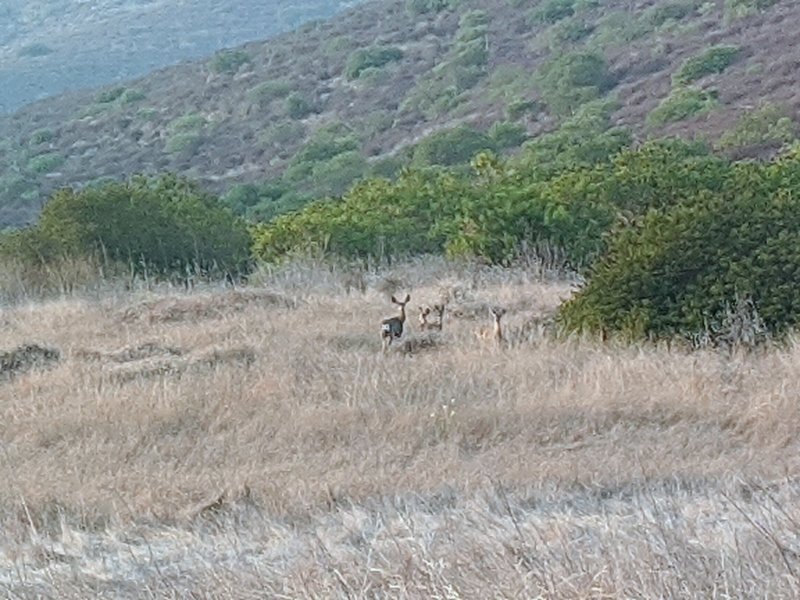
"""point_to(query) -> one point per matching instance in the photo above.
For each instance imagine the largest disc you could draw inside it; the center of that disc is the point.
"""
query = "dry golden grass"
(273, 451)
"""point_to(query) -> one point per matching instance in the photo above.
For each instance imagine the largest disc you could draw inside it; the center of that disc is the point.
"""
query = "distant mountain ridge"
(314, 109)
(52, 46)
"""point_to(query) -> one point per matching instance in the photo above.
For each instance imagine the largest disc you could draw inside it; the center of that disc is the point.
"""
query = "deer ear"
(394, 300)
(408, 297)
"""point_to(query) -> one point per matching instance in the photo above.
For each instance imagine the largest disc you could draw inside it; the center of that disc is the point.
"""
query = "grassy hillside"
(255, 443)
(308, 112)
(51, 46)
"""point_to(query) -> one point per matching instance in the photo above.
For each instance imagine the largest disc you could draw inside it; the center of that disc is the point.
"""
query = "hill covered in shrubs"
(271, 125)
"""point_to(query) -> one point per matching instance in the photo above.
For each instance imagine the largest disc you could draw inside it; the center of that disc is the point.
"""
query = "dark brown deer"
(392, 327)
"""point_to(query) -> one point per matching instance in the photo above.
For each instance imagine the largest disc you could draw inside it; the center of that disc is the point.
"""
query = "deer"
(392, 327)
(424, 313)
(495, 332)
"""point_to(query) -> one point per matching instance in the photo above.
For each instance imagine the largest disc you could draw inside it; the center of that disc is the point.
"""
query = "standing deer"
(392, 327)
(495, 332)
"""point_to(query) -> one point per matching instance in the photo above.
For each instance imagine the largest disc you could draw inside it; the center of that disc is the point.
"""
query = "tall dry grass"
(256, 443)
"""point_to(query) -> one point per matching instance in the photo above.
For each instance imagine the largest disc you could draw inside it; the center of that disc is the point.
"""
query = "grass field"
(256, 443)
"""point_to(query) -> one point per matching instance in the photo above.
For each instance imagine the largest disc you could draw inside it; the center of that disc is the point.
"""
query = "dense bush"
(494, 210)
(671, 11)
(376, 217)
(110, 95)
(713, 60)
(742, 8)
(229, 61)
(45, 163)
(681, 104)
(367, 58)
(767, 125)
(507, 135)
(42, 136)
(266, 92)
(573, 79)
(585, 139)
(680, 269)
(156, 226)
(451, 147)
(420, 7)
(552, 11)
(297, 107)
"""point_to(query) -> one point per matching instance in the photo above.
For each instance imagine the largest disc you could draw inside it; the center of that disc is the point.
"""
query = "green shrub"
(585, 139)
(374, 57)
(184, 142)
(679, 270)
(421, 7)
(375, 217)
(45, 163)
(297, 107)
(714, 60)
(681, 104)
(470, 54)
(768, 124)
(327, 143)
(132, 96)
(735, 9)
(154, 225)
(516, 109)
(110, 95)
(190, 122)
(451, 147)
(281, 135)
(573, 79)
(670, 11)
(229, 61)
(507, 135)
(271, 208)
(339, 44)
(493, 211)
(146, 114)
(334, 177)
(569, 31)
(552, 11)
(42, 136)
(266, 92)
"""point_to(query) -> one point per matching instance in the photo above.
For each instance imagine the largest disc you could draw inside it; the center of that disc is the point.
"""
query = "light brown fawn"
(392, 327)
(424, 313)
(495, 332)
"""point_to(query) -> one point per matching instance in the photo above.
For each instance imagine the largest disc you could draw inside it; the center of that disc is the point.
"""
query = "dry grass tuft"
(206, 306)
(273, 450)
(27, 358)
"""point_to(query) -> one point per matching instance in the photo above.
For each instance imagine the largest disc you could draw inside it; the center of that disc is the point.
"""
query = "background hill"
(50, 46)
(306, 113)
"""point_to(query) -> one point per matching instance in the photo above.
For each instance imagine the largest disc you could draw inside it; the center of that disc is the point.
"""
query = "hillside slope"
(50, 46)
(314, 108)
